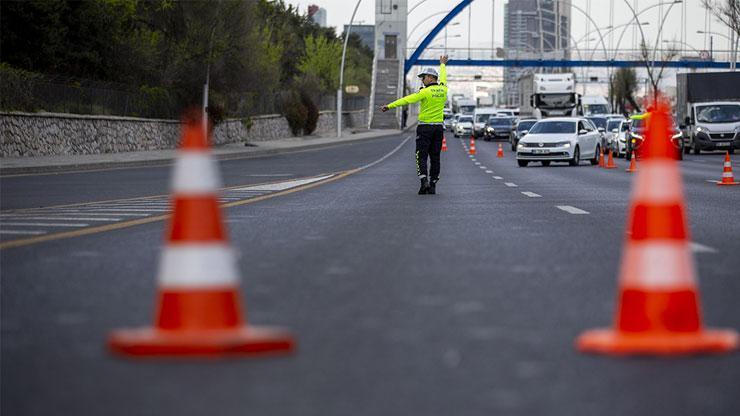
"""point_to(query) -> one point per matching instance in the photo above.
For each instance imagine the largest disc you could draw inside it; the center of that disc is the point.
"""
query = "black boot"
(424, 187)
(433, 187)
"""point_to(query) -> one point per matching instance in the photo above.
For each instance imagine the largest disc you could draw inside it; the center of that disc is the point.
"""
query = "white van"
(594, 104)
(480, 118)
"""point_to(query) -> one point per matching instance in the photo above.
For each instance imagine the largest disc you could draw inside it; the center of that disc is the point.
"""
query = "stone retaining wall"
(48, 134)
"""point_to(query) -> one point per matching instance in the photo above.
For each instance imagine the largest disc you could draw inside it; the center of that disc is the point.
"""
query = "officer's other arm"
(443, 70)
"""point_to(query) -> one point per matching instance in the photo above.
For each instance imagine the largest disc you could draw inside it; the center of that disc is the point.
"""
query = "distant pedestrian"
(430, 131)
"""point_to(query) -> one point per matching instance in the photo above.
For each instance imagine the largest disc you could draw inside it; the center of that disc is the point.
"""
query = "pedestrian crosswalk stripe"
(42, 224)
(22, 232)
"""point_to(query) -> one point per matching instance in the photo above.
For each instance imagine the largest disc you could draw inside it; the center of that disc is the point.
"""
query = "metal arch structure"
(414, 58)
(560, 63)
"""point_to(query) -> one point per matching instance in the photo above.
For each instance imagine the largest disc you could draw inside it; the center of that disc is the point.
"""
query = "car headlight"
(702, 129)
(563, 144)
(520, 146)
(677, 135)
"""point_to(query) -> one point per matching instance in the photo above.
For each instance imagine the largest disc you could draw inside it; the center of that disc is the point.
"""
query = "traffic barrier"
(727, 178)
(601, 158)
(658, 311)
(444, 144)
(633, 165)
(500, 152)
(199, 312)
(610, 164)
(472, 144)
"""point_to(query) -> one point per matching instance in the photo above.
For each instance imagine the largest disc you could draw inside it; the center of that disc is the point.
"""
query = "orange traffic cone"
(610, 164)
(658, 311)
(500, 152)
(199, 312)
(601, 158)
(472, 145)
(633, 165)
(444, 144)
(727, 178)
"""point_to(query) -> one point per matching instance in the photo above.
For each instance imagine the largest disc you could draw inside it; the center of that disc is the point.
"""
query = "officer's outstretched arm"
(409, 99)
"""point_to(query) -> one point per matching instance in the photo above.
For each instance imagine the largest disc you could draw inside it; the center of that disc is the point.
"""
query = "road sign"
(352, 89)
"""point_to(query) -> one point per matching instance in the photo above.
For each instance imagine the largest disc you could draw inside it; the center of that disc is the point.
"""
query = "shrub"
(312, 113)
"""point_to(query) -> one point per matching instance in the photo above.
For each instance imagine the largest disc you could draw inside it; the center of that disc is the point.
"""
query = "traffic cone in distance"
(199, 312)
(601, 158)
(472, 145)
(500, 152)
(658, 306)
(727, 178)
(610, 164)
(633, 165)
(444, 144)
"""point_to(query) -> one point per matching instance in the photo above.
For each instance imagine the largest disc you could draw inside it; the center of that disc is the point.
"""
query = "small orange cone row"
(472, 145)
(444, 144)
(610, 164)
(199, 311)
(601, 158)
(727, 177)
(500, 152)
(633, 165)
(658, 310)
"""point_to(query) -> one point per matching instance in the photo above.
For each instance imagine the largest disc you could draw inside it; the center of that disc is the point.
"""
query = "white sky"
(340, 11)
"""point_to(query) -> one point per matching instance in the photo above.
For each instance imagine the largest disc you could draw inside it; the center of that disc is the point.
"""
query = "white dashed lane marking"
(532, 194)
(701, 248)
(498, 178)
(572, 210)
(511, 185)
(489, 171)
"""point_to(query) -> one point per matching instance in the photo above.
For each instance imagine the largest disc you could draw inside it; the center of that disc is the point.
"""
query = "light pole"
(456, 36)
(635, 18)
(733, 47)
(341, 72)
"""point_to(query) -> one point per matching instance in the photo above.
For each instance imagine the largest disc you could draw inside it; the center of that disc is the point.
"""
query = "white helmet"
(428, 71)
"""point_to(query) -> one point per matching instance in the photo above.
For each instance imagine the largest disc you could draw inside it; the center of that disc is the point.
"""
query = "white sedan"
(562, 139)
(464, 126)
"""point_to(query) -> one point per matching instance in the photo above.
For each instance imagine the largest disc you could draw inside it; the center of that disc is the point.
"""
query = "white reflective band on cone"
(728, 164)
(726, 174)
(197, 265)
(658, 264)
(195, 173)
(659, 182)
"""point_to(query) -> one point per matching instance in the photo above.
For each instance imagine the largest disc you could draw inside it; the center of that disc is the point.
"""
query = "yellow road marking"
(132, 223)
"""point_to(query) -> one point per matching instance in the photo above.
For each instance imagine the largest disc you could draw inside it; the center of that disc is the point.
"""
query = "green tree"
(321, 61)
(622, 88)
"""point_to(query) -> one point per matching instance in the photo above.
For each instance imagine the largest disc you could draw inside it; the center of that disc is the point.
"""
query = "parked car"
(560, 139)
(521, 130)
(464, 126)
(499, 127)
(637, 137)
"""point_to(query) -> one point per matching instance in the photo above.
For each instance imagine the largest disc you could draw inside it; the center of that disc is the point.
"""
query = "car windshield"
(718, 113)
(482, 118)
(525, 125)
(465, 119)
(596, 109)
(500, 121)
(598, 121)
(612, 124)
(548, 127)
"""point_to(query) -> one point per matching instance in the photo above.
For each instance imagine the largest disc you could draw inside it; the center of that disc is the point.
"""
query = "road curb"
(27, 170)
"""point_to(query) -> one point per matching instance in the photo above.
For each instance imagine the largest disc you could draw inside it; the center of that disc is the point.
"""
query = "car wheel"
(522, 163)
(576, 159)
(695, 147)
(595, 160)
(545, 163)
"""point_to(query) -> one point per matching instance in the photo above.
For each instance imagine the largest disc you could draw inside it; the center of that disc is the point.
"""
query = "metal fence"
(23, 91)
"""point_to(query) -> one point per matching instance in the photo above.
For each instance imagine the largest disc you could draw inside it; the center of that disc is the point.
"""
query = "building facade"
(534, 29)
(317, 14)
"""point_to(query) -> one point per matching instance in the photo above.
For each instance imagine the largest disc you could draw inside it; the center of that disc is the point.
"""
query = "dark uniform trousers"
(428, 145)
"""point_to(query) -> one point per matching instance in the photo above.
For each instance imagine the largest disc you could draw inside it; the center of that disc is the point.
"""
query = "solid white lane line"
(131, 210)
(489, 171)
(43, 224)
(571, 210)
(498, 178)
(511, 185)
(701, 248)
(66, 219)
(532, 194)
(22, 232)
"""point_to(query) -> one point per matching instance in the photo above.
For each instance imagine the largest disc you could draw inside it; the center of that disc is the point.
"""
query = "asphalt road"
(465, 303)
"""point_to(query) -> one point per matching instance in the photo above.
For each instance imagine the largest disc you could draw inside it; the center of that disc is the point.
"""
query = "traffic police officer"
(429, 132)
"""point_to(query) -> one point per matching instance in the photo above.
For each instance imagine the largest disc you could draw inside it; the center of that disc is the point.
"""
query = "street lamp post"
(341, 72)
(635, 18)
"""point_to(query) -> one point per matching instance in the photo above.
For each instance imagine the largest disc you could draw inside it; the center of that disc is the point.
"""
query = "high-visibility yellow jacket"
(432, 98)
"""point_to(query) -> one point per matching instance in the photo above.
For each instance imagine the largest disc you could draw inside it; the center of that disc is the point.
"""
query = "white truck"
(548, 95)
(594, 105)
(708, 110)
(464, 106)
